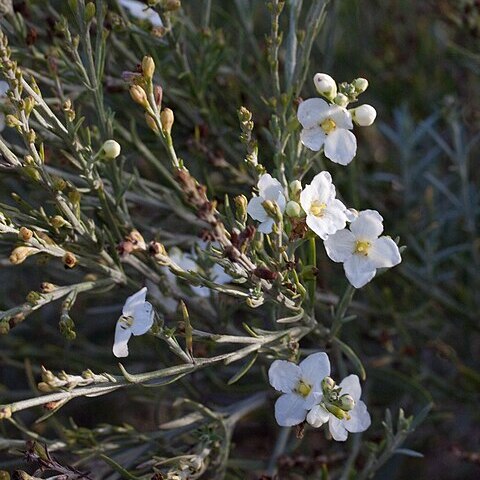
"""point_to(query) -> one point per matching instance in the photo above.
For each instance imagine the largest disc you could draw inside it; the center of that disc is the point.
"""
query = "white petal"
(340, 246)
(290, 410)
(351, 385)
(307, 196)
(120, 343)
(337, 429)
(281, 201)
(341, 117)
(318, 225)
(359, 419)
(313, 138)
(324, 188)
(317, 416)
(139, 10)
(255, 209)
(384, 253)
(364, 115)
(312, 112)
(133, 301)
(341, 146)
(368, 225)
(284, 375)
(266, 226)
(315, 368)
(359, 270)
(3, 88)
(142, 319)
(269, 187)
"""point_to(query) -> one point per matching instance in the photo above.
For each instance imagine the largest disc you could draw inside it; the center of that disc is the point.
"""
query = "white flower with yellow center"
(328, 126)
(361, 249)
(325, 214)
(298, 383)
(269, 190)
(136, 319)
(342, 408)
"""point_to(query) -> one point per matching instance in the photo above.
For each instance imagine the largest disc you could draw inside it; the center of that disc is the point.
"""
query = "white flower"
(298, 383)
(328, 126)
(268, 189)
(353, 420)
(138, 9)
(364, 115)
(3, 93)
(136, 319)
(361, 250)
(325, 214)
(325, 85)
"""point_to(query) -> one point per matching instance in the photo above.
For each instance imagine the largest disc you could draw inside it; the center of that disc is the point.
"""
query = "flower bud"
(12, 121)
(69, 260)
(171, 5)
(328, 384)
(337, 411)
(364, 115)
(293, 209)
(138, 95)
(272, 209)
(346, 402)
(341, 100)
(241, 204)
(111, 149)
(148, 67)
(295, 188)
(90, 11)
(360, 84)
(167, 118)
(325, 85)
(20, 254)
(58, 221)
(151, 122)
(25, 234)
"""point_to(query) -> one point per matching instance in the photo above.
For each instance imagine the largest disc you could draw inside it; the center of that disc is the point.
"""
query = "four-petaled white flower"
(328, 126)
(361, 250)
(325, 214)
(354, 420)
(136, 319)
(269, 189)
(298, 383)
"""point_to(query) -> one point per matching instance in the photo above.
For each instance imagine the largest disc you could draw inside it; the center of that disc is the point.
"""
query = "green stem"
(312, 260)
(341, 309)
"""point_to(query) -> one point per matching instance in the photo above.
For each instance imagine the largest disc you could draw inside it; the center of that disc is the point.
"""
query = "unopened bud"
(12, 121)
(138, 95)
(20, 254)
(69, 260)
(272, 209)
(337, 411)
(167, 118)
(360, 85)
(137, 240)
(341, 100)
(346, 402)
(151, 122)
(325, 85)
(58, 221)
(328, 384)
(25, 234)
(148, 68)
(90, 11)
(364, 115)
(111, 149)
(241, 204)
(171, 5)
(293, 209)
(295, 188)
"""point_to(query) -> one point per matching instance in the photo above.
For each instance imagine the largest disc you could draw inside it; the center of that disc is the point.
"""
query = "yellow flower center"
(303, 388)
(126, 321)
(317, 208)
(328, 125)
(362, 247)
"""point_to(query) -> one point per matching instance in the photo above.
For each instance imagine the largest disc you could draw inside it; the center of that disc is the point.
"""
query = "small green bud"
(328, 384)
(346, 402)
(148, 68)
(241, 204)
(337, 411)
(293, 209)
(295, 188)
(90, 11)
(341, 100)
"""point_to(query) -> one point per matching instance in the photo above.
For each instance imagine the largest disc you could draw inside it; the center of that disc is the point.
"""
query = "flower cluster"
(360, 247)
(309, 393)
